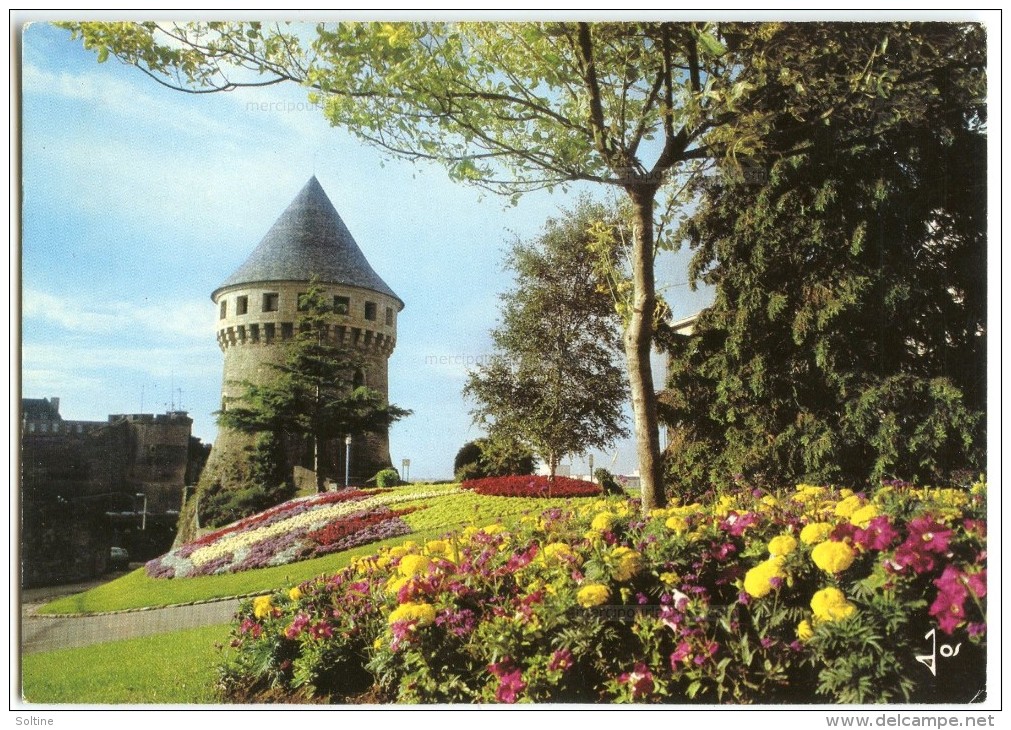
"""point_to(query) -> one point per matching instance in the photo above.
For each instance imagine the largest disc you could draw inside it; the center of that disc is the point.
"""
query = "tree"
(519, 106)
(847, 340)
(552, 383)
(313, 397)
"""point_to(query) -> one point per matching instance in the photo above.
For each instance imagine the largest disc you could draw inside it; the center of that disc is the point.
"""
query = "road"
(45, 633)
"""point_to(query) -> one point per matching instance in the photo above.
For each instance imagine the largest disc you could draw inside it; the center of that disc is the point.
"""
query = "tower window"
(268, 332)
(241, 305)
(370, 311)
(341, 305)
(389, 316)
(287, 331)
(223, 308)
(270, 302)
(254, 332)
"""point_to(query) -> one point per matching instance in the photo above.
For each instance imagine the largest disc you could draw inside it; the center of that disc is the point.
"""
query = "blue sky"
(139, 201)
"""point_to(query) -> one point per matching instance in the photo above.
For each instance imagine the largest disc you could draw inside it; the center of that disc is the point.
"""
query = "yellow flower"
(782, 545)
(494, 529)
(815, 532)
(604, 521)
(593, 594)
(629, 563)
(557, 552)
(669, 579)
(394, 584)
(830, 604)
(864, 515)
(678, 524)
(423, 613)
(438, 547)
(804, 630)
(833, 556)
(294, 594)
(412, 565)
(758, 580)
(262, 607)
(848, 506)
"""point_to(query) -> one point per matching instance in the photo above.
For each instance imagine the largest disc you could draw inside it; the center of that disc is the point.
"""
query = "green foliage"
(607, 481)
(493, 456)
(388, 477)
(265, 481)
(313, 397)
(553, 384)
(847, 339)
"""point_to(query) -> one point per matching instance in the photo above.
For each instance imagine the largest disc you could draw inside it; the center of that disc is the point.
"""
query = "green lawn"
(439, 514)
(168, 669)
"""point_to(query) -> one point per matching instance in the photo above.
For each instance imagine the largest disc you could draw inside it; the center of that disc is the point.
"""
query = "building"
(257, 309)
(87, 485)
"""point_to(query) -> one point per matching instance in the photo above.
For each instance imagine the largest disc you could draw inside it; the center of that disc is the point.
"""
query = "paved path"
(45, 633)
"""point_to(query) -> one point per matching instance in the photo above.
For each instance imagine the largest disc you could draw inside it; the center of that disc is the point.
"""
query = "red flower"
(949, 606)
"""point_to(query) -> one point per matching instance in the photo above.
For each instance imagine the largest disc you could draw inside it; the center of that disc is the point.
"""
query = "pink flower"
(560, 659)
(510, 681)
(878, 535)
(681, 654)
(929, 534)
(949, 606)
(977, 583)
(640, 681)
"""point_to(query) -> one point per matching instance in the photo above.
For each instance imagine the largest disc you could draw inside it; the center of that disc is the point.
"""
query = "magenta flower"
(681, 654)
(949, 606)
(929, 534)
(510, 681)
(561, 659)
(878, 535)
(977, 583)
(640, 681)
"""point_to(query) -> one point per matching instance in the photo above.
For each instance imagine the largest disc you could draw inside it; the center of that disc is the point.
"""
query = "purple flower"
(878, 535)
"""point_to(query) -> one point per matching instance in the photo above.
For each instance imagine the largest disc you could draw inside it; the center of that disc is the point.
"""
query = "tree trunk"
(638, 344)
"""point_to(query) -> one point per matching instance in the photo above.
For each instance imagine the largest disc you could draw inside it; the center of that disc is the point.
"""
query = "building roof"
(309, 240)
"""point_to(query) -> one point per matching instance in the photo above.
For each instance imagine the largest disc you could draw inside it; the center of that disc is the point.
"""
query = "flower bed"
(532, 486)
(810, 595)
(299, 529)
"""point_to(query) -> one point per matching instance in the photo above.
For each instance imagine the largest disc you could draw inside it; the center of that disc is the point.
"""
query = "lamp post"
(347, 460)
(405, 467)
(143, 519)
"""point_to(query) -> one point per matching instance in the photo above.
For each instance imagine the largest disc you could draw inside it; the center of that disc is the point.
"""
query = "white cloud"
(187, 320)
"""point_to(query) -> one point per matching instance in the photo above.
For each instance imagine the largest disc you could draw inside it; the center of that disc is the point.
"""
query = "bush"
(492, 457)
(531, 486)
(808, 595)
(607, 482)
(388, 477)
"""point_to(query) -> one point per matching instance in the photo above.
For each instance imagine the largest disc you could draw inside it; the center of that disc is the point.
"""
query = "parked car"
(119, 558)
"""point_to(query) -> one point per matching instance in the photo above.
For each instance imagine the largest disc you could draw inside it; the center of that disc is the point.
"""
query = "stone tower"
(258, 312)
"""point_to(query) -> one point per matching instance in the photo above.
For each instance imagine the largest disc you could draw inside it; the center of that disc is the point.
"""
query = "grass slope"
(168, 669)
(435, 516)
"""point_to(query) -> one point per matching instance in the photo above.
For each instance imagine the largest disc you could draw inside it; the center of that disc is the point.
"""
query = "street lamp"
(347, 460)
(143, 519)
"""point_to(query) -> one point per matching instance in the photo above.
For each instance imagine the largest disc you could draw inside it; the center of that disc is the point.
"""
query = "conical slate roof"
(309, 239)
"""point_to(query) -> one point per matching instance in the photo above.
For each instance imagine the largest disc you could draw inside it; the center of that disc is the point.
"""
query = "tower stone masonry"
(257, 310)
